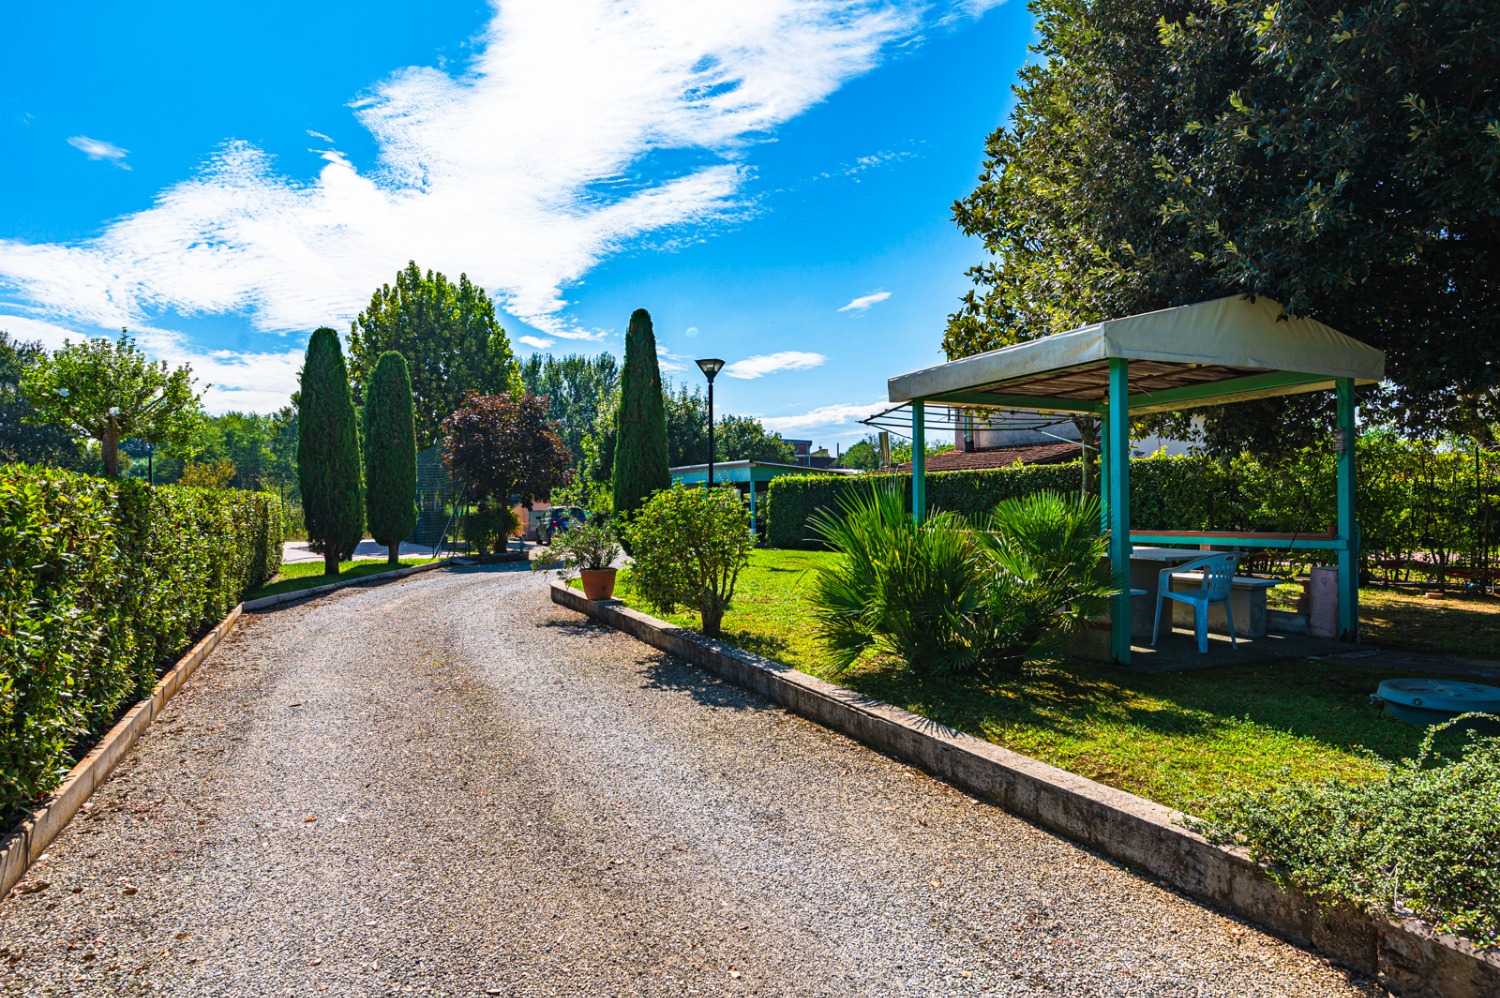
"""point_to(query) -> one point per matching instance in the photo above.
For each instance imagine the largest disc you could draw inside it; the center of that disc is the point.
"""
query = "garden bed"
(1181, 739)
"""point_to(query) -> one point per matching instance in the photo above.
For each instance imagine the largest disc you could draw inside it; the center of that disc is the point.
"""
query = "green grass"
(309, 574)
(1181, 739)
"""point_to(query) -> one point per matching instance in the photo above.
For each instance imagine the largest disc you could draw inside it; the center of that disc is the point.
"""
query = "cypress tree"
(328, 453)
(390, 454)
(641, 421)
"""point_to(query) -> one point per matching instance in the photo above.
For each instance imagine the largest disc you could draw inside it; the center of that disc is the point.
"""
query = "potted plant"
(589, 548)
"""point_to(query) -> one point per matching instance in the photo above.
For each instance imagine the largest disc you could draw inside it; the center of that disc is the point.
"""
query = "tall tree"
(1343, 164)
(575, 388)
(448, 334)
(390, 455)
(328, 453)
(640, 458)
(22, 437)
(108, 390)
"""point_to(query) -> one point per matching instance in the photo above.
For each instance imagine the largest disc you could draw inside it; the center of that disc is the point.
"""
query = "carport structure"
(1215, 352)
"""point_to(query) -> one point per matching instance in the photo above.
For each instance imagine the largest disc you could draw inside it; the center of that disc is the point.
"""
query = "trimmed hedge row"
(102, 585)
(1183, 493)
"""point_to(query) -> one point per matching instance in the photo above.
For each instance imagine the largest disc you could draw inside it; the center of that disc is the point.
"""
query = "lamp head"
(710, 366)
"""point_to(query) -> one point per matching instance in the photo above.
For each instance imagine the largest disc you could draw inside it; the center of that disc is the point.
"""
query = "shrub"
(390, 455)
(689, 545)
(328, 453)
(1422, 839)
(489, 526)
(950, 599)
(102, 584)
(641, 438)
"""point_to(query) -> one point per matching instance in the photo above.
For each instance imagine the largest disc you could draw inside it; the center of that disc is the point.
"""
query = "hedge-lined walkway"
(449, 786)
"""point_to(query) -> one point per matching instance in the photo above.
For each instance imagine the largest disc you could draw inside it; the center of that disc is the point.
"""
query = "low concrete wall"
(1407, 957)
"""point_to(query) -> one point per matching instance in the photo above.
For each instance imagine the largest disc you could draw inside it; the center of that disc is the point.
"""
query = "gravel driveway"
(447, 785)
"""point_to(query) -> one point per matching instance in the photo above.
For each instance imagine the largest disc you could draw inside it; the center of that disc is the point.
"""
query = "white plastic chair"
(1217, 573)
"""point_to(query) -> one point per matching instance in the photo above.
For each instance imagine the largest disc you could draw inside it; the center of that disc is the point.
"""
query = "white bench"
(1247, 598)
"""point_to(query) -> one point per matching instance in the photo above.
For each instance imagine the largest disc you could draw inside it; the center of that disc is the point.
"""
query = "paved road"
(449, 786)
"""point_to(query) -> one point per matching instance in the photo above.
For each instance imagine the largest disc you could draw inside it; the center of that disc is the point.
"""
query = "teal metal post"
(753, 527)
(1348, 526)
(1118, 449)
(1104, 453)
(918, 461)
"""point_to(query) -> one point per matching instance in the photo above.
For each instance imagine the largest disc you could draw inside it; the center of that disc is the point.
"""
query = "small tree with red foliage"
(504, 445)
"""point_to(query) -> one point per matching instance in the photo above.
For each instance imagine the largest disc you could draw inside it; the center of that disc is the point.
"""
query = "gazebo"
(1215, 352)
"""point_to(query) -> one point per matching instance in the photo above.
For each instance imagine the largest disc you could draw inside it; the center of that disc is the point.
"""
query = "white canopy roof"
(1249, 349)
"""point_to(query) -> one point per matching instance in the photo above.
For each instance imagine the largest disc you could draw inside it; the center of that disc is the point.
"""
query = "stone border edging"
(396, 573)
(21, 847)
(1407, 956)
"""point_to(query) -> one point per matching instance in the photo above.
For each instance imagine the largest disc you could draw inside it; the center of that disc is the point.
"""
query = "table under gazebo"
(1212, 353)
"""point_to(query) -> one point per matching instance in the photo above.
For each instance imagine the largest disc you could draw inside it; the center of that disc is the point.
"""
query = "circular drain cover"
(1447, 695)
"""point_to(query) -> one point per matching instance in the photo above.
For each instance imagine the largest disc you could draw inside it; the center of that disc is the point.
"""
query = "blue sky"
(771, 179)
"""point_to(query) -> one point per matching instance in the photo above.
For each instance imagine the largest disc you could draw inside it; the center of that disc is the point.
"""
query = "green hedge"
(1183, 493)
(1436, 498)
(102, 585)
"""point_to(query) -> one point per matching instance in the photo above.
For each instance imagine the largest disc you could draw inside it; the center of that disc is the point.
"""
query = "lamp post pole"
(710, 367)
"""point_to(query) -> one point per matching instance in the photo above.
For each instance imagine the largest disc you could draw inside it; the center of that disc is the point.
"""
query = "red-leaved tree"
(504, 445)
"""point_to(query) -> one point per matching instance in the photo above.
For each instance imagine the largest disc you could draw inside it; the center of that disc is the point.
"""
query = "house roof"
(1223, 350)
(998, 457)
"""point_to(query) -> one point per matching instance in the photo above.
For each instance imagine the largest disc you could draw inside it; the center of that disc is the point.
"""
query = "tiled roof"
(999, 457)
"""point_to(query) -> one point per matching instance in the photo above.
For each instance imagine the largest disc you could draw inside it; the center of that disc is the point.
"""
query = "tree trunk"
(330, 563)
(111, 450)
(1088, 436)
(713, 617)
(393, 553)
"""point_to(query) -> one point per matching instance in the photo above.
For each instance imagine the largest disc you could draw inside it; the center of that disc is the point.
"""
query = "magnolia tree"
(108, 390)
(503, 446)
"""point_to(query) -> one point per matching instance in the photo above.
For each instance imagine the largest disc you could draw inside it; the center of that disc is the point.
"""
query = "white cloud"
(99, 149)
(522, 168)
(535, 342)
(863, 302)
(770, 363)
(840, 419)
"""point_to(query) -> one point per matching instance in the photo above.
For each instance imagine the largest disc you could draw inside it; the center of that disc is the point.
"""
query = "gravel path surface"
(447, 785)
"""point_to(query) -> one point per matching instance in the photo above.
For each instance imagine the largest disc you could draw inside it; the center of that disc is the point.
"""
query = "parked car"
(558, 518)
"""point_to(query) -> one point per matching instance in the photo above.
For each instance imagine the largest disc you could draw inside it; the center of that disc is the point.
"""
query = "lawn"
(1182, 739)
(309, 574)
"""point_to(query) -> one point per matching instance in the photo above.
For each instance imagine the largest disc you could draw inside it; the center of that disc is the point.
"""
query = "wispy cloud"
(541, 136)
(863, 302)
(841, 419)
(535, 342)
(770, 363)
(99, 149)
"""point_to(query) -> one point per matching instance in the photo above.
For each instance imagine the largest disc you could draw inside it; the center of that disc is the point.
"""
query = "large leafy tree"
(503, 446)
(1343, 163)
(640, 453)
(22, 438)
(448, 333)
(390, 455)
(743, 438)
(575, 387)
(108, 390)
(328, 453)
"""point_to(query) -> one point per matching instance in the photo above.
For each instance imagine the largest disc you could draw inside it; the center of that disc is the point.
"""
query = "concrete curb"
(297, 595)
(30, 839)
(1407, 957)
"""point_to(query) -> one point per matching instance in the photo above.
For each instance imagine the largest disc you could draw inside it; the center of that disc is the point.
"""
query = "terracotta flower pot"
(598, 583)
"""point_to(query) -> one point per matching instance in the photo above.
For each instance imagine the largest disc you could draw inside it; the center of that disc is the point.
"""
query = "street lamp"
(710, 367)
